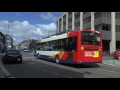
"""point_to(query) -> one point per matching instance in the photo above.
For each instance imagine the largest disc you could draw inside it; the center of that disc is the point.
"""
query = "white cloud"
(24, 30)
(48, 16)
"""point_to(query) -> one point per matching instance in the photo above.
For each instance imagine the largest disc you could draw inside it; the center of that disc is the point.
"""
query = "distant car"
(26, 50)
(12, 55)
(117, 54)
(30, 50)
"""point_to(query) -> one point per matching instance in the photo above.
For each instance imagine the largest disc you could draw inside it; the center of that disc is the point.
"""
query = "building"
(25, 44)
(108, 23)
(8, 41)
(2, 42)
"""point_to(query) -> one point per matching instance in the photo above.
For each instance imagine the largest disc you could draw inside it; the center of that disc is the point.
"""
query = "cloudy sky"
(28, 25)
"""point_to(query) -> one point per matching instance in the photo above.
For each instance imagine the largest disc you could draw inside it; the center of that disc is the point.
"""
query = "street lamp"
(10, 41)
(8, 26)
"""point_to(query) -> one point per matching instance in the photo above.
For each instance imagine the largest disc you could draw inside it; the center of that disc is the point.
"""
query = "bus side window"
(72, 44)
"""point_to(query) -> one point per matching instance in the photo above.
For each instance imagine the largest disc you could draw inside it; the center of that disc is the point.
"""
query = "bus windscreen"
(90, 38)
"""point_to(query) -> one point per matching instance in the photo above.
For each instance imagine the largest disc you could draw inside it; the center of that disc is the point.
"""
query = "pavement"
(109, 60)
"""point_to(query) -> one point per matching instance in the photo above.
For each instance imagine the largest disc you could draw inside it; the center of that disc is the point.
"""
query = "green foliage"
(31, 45)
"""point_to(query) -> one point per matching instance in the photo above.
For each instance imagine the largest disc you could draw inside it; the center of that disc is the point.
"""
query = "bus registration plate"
(91, 53)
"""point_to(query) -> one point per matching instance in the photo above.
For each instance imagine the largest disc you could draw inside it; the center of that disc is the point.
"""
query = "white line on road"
(5, 71)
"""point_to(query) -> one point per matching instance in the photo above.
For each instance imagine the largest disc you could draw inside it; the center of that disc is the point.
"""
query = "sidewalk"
(109, 60)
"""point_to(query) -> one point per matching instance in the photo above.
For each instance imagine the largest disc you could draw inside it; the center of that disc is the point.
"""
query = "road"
(38, 68)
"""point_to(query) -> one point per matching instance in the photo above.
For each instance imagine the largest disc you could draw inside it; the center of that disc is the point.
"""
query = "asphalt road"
(38, 68)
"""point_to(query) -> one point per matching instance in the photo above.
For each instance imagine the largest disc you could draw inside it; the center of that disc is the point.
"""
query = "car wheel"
(119, 57)
(57, 60)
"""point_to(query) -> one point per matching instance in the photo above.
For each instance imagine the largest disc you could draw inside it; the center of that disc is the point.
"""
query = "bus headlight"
(82, 48)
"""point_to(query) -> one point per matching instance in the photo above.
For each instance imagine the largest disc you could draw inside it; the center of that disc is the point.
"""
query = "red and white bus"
(74, 47)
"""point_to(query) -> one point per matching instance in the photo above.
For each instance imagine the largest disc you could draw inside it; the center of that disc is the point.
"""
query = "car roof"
(12, 50)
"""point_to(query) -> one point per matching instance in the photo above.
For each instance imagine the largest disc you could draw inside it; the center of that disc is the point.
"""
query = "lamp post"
(9, 41)
(9, 27)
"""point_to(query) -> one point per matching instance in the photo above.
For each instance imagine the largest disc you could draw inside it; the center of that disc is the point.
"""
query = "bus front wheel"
(57, 60)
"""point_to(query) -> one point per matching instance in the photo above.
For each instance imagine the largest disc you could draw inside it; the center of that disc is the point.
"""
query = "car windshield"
(12, 52)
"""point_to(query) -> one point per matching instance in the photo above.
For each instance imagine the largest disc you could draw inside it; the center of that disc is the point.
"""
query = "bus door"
(71, 49)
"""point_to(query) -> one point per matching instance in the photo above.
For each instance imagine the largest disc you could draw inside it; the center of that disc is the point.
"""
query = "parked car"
(117, 54)
(25, 50)
(30, 50)
(12, 55)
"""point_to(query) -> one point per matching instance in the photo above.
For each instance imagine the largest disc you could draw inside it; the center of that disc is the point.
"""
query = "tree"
(31, 45)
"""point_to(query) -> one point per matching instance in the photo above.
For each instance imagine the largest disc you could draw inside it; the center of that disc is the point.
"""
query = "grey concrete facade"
(99, 21)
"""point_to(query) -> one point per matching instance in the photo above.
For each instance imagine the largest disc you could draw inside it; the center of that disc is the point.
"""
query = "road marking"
(55, 73)
(108, 70)
(5, 71)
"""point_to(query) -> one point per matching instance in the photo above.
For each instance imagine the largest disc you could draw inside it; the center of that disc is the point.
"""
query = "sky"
(28, 25)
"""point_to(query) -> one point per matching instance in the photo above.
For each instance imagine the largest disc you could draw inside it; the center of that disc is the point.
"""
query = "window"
(69, 13)
(64, 28)
(64, 17)
(98, 27)
(59, 21)
(98, 15)
(77, 24)
(90, 38)
(106, 14)
(88, 28)
(70, 20)
(117, 28)
(77, 15)
(70, 27)
(106, 27)
(84, 12)
(117, 15)
(88, 19)
(70, 44)
(64, 23)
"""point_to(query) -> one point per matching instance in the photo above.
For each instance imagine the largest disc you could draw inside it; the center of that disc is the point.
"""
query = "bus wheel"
(57, 60)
